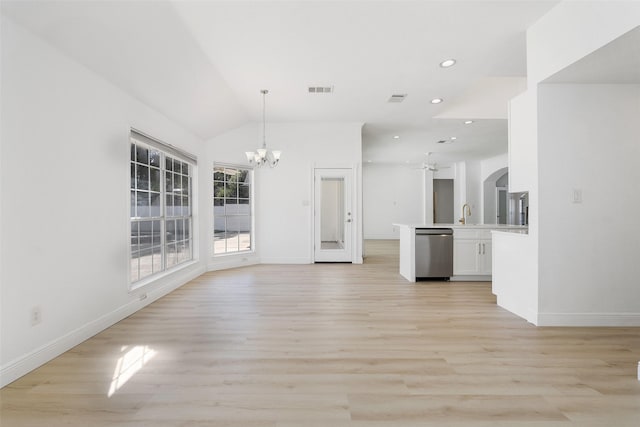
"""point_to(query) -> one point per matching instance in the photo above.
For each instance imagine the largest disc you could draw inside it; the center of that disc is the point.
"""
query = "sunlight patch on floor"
(129, 364)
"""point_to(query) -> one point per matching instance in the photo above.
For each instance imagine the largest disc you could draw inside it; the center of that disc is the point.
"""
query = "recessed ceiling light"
(453, 138)
(396, 136)
(468, 122)
(448, 63)
(436, 100)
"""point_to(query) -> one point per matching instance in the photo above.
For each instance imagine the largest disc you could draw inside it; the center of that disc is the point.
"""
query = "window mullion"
(163, 208)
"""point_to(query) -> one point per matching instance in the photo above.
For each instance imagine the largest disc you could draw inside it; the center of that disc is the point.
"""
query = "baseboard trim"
(589, 319)
(286, 261)
(470, 278)
(38, 357)
(225, 264)
(383, 237)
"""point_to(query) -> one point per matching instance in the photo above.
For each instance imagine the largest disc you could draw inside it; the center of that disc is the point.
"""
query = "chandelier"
(263, 156)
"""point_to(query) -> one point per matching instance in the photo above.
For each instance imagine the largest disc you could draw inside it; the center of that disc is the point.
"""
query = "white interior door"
(333, 216)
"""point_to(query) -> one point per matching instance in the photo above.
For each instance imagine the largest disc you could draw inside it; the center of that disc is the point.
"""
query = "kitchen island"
(471, 249)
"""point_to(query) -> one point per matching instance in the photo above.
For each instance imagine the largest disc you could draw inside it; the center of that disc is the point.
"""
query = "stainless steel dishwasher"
(434, 252)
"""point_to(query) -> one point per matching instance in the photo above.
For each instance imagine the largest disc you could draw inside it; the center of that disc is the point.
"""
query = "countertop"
(501, 227)
(512, 231)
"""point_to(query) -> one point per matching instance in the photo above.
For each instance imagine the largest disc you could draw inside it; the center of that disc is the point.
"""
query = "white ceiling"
(144, 48)
(203, 63)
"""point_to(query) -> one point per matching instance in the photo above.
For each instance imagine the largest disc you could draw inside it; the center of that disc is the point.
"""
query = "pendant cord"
(264, 118)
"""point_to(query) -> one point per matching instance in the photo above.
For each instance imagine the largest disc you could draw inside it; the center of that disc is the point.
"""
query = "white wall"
(459, 189)
(65, 196)
(392, 194)
(443, 194)
(523, 142)
(467, 188)
(427, 198)
(445, 173)
(588, 140)
(574, 29)
(514, 275)
(503, 180)
(489, 166)
(474, 192)
(284, 195)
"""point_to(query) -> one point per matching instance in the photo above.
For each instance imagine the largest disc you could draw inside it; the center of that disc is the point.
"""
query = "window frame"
(165, 152)
(251, 214)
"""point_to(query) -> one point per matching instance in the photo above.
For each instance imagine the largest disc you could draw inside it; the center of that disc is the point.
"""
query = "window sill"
(234, 260)
(158, 276)
(250, 252)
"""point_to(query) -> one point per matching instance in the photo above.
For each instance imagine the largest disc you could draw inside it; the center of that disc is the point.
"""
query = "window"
(161, 207)
(231, 210)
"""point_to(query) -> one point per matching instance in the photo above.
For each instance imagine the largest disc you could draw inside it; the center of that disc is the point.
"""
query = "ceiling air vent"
(398, 97)
(320, 89)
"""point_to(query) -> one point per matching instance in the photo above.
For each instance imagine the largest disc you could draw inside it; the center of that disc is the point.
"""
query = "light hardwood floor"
(333, 345)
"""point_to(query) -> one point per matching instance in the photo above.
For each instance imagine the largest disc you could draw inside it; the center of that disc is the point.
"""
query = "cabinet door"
(466, 255)
(485, 265)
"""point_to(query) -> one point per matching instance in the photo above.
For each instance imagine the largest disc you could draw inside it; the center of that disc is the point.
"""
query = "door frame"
(352, 188)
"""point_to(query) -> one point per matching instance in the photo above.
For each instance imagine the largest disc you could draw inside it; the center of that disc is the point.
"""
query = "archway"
(498, 179)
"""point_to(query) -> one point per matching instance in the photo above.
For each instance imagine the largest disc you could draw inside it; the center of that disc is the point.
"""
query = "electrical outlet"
(36, 316)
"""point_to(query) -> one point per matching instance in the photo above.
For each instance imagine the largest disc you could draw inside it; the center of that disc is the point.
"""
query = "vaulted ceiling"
(203, 63)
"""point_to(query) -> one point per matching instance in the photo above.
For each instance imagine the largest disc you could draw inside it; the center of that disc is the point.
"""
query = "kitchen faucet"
(463, 220)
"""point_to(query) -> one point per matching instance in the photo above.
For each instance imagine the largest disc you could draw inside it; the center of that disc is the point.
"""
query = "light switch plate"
(576, 196)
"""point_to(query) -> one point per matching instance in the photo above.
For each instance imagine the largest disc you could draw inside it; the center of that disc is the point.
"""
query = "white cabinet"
(485, 267)
(465, 257)
(472, 252)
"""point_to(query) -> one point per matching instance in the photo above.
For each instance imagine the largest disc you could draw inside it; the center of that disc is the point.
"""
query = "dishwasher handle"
(434, 231)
